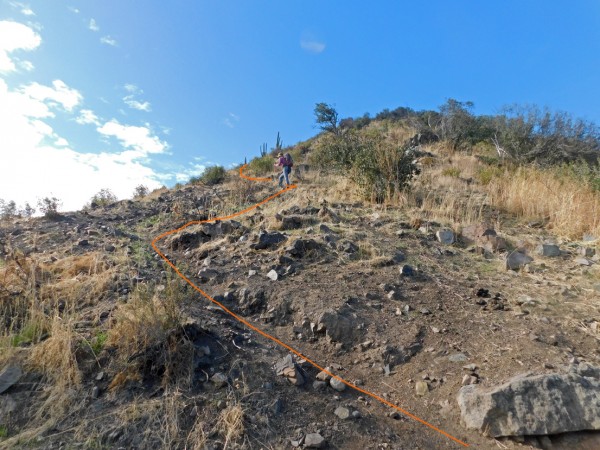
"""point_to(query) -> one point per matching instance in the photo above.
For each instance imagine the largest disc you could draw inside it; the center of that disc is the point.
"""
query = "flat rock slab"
(9, 376)
(535, 405)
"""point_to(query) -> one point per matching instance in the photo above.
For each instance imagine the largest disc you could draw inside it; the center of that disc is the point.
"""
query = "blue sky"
(115, 93)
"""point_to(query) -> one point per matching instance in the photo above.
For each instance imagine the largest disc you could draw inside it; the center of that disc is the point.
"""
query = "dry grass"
(231, 424)
(570, 208)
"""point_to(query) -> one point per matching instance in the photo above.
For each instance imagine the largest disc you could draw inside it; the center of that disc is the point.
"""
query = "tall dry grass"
(570, 207)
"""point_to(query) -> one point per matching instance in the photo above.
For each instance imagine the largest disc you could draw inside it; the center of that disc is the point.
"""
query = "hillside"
(410, 298)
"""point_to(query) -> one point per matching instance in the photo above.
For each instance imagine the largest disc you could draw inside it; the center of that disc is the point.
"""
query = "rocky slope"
(128, 355)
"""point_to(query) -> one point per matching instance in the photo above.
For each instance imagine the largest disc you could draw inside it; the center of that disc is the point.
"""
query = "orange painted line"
(267, 335)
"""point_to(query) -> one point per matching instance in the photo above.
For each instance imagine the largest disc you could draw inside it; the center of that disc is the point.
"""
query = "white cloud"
(138, 139)
(108, 41)
(87, 116)
(193, 171)
(25, 9)
(26, 65)
(312, 46)
(73, 10)
(59, 94)
(140, 106)
(15, 36)
(132, 88)
(33, 151)
(93, 25)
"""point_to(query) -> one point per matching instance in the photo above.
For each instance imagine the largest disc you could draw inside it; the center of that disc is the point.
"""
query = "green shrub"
(103, 198)
(49, 206)
(486, 174)
(262, 165)
(213, 175)
(453, 172)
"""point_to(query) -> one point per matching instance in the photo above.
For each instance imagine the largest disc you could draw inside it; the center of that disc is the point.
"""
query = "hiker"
(287, 163)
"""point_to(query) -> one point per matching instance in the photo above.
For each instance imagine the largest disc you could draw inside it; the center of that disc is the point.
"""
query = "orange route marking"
(267, 335)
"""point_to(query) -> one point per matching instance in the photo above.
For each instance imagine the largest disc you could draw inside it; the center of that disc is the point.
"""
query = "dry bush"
(230, 423)
(570, 207)
(147, 332)
(55, 358)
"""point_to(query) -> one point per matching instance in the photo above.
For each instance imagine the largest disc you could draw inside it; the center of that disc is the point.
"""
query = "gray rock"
(457, 357)
(515, 260)
(535, 404)
(314, 440)
(272, 275)
(268, 240)
(548, 250)
(339, 327)
(587, 252)
(286, 367)
(219, 379)
(407, 270)
(583, 262)
(319, 385)
(445, 236)
(9, 376)
(342, 412)
(337, 385)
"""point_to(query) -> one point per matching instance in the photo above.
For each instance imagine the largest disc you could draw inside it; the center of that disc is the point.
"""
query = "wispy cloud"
(23, 8)
(312, 46)
(132, 88)
(73, 10)
(86, 117)
(231, 120)
(133, 102)
(93, 25)
(15, 36)
(109, 41)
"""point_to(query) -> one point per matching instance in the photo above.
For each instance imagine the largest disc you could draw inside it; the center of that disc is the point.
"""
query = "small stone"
(407, 270)
(517, 260)
(272, 275)
(95, 392)
(251, 273)
(421, 388)
(425, 311)
(83, 243)
(109, 248)
(219, 379)
(324, 376)
(445, 236)
(470, 367)
(314, 440)
(342, 412)
(319, 385)
(9, 376)
(457, 357)
(337, 385)
(466, 380)
(356, 414)
(583, 262)
(548, 250)
(100, 376)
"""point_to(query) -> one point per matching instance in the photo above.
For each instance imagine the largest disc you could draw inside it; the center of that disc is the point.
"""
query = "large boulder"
(535, 404)
(516, 260)
(9, 376)
(268, 240)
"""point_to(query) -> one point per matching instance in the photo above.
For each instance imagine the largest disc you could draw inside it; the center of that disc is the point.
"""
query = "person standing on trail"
(285, 162)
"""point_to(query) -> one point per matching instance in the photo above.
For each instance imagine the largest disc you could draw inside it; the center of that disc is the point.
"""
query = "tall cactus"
(278, 143)
(263, 150)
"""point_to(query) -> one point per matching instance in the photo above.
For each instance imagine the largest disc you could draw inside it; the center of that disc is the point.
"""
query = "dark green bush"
(213, 175)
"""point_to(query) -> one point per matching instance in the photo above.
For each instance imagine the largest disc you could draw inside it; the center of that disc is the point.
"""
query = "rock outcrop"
(535, 405)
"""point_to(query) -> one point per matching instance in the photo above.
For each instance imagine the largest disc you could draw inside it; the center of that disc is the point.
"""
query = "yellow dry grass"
(570, 208)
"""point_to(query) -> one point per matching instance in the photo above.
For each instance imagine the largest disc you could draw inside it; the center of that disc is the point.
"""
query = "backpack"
(288, 160)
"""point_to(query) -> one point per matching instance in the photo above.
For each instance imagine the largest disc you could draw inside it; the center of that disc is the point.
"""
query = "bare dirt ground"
(366, 292)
